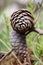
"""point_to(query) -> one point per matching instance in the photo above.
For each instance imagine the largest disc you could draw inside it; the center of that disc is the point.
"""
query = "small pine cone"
(22, 21)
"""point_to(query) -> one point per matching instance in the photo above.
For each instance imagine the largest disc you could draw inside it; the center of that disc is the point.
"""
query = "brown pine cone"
(18, 41)
(22, 21)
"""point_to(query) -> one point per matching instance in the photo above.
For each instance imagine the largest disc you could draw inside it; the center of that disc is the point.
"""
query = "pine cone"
(22, 21)
(18, 41)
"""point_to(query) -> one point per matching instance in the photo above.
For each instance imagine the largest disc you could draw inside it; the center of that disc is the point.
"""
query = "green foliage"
(4, 34)
(38, 43)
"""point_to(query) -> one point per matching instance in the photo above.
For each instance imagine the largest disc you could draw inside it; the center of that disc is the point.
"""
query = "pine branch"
(6, 54)
(39, 31)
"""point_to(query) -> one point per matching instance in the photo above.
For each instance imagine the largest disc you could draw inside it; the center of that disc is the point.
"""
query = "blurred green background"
(5, 12)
